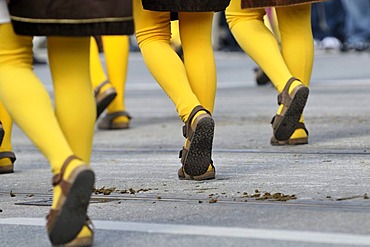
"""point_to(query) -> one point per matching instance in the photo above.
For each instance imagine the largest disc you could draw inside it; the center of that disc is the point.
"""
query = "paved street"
(313, 195)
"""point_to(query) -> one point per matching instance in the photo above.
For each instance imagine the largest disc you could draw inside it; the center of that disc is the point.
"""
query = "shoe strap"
(111, 116)
(101, 85)
(58, 178)
(9, 155)
(284, 95)
(186, 129)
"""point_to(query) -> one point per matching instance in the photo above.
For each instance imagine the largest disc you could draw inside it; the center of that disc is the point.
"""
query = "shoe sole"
(104, 103)
(206, 176)
(73, 213)
(200, 151)
(119, 126)
(6, 169)
(292, 142)
(291, 117)
(113, 126)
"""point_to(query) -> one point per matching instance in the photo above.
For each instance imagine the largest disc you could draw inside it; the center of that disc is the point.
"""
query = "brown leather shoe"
(196, 154)
(285, 123)
(107, 122)
(83, 241)
(209, 174)
(103, 98)
(67, 219)
(7, 168)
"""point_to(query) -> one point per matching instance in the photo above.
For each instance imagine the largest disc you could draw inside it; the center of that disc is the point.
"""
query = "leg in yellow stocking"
(7, 157)
(75, 107)
(116, 51)
(298, 52)
(30, 106)
(19, 87)
(257, 40)
(153, 35)
(110, 91)
(199, 64)
(271, 22)
(104, 91)
(198, 56)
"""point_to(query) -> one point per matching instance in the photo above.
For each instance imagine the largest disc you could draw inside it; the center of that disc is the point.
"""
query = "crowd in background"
(342, 24)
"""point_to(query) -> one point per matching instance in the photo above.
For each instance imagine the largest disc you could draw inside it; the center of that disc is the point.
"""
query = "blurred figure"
(328, 20)
(357, 25)
(39, 50)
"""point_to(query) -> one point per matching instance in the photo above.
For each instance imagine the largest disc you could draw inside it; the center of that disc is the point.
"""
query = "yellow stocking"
(296, 40)
(96, 69)
(297, 44)
(198, 55)
(280, 65)
(153, 35)
(26, 98)
(74, 102)
(249, 30)
(29, 103)
(116, 51)
(296, 55)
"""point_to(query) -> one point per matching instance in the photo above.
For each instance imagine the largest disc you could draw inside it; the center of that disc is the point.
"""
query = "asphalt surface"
(321, 189)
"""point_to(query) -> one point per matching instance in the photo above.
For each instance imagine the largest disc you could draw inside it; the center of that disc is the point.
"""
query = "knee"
(150, 35)
(234, 16)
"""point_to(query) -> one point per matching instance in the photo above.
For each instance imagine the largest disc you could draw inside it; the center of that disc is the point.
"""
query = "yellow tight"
(7, 123)
(69, 128)
(96, 69)
(189, 83)
(74, 103)
(116, 51)
(293, 58)
(296, 55)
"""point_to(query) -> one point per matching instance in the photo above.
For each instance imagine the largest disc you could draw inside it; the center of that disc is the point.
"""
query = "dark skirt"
(71, 17)
(186, 5)
(273, 3)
